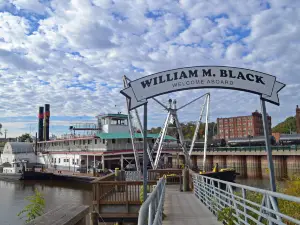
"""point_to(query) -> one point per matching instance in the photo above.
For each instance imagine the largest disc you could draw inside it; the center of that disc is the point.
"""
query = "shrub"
(35, 208)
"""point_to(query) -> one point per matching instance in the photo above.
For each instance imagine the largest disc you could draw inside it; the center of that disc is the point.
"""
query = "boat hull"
(33, 175)
(229, 176)
(10, 176)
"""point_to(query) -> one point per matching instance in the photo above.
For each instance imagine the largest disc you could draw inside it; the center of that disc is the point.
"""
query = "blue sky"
(72, 54)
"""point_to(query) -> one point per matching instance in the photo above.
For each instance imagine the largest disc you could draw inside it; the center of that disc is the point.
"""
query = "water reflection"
(12, 196)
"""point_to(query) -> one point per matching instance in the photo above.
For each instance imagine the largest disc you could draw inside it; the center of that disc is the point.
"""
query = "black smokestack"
(41, 118)
(47, 121)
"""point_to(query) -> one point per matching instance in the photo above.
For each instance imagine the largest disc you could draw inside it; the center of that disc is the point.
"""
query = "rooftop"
(113, 115)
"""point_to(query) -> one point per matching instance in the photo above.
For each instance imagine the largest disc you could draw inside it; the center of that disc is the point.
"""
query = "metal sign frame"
(200, 77)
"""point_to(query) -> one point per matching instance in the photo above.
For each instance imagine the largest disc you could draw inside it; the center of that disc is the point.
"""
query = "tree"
(35, 208)
(287, 126)
(25, 137)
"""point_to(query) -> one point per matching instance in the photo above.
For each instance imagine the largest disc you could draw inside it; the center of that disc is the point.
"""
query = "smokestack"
(47, 120)
(41, 117)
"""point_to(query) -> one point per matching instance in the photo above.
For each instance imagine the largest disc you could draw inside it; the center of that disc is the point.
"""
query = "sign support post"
(268, 146)
(145, 161)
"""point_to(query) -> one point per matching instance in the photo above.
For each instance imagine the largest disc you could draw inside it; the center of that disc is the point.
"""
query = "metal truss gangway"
(172, 118)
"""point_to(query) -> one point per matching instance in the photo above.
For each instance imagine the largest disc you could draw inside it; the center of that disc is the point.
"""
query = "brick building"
(298, 119)
(242, 126)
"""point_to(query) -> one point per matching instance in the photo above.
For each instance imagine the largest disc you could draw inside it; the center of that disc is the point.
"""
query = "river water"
(12, 196)
(56, 193)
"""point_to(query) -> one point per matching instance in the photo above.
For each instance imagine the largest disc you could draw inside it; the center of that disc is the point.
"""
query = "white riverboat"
(105, 144)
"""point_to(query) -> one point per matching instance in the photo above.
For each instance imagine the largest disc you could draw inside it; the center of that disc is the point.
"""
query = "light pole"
(249, 136)
(214, 129)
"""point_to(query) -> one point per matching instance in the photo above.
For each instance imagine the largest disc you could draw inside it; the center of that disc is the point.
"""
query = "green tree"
(287, 126)
(25, 137)
(35, 208)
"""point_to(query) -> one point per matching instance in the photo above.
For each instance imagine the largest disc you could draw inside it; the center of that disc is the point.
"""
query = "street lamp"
(249, 136)
(214, 129)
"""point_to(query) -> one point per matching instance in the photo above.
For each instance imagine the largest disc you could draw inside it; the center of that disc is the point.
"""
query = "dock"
(182, 208)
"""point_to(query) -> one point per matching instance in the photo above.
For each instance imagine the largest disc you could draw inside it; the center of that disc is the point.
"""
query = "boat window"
(113, 141)
(128, 140)
(114, 122)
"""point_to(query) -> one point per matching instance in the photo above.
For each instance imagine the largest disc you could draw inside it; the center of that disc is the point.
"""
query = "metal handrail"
(217, 194)
(152, 209)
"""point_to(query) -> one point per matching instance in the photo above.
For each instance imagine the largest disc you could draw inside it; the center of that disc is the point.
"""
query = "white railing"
(133, 175)
(151, 211)
(248, 205)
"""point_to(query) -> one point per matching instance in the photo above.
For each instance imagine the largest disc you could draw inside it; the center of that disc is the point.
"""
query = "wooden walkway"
(183, 208)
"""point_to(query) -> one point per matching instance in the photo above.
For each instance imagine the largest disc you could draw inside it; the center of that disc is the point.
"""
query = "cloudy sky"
(72, 54)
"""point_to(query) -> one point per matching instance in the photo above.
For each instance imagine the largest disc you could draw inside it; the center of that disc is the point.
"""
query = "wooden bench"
(69, 214)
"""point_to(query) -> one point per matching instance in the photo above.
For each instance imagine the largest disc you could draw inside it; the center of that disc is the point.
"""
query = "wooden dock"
(183, 208)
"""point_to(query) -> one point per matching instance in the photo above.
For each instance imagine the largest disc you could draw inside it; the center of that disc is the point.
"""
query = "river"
(12, 196)
(56, 193)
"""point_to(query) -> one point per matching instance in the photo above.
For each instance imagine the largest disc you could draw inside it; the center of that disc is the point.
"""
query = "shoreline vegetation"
(292, 209)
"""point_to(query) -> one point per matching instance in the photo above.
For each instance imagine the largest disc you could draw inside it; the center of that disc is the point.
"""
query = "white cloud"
(234, 51)
(74, 53)
(31, 5)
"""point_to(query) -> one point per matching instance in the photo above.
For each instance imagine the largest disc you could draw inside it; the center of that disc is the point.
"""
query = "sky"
(72, 54)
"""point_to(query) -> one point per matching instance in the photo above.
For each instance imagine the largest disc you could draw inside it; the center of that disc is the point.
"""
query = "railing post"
(94, 218)
(185, 180)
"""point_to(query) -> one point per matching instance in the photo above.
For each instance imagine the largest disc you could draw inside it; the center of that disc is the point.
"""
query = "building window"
(58, 160)
(54, 160)
(95, 141)
(103, 141)
(77, 161)
(73, 161)
(128, 140)
(113, 141)
(89, 142)
(74, 142)
(83, 142)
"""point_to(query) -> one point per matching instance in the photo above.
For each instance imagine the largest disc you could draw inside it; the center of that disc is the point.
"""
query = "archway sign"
(199, 77)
